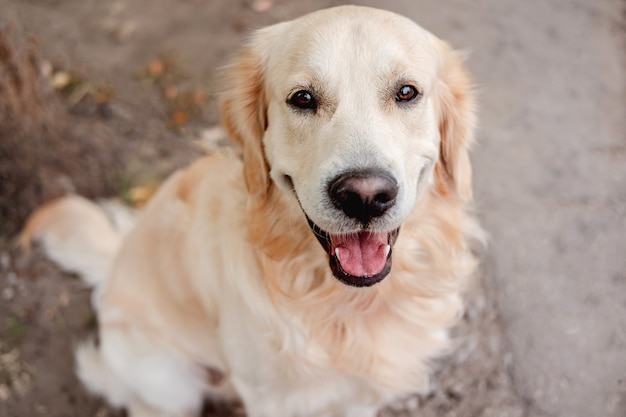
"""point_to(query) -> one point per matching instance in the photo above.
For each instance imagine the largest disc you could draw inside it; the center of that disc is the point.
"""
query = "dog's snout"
(363, 195)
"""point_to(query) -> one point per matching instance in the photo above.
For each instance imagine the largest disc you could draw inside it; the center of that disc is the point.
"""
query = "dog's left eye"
(303, 100)
(407, 93)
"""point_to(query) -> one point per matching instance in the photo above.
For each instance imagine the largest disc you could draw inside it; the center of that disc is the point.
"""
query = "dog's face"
(348, 111)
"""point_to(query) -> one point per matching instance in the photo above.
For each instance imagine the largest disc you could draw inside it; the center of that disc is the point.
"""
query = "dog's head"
(354, 113)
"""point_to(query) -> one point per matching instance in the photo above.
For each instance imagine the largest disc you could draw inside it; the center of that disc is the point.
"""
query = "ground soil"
(119, 127)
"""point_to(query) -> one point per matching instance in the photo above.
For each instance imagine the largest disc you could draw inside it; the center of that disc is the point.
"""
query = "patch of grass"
(123, 185)
(15, 329)
(134, 193)
(91, 322)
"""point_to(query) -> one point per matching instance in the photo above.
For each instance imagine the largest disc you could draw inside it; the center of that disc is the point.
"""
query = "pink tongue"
(361, 254)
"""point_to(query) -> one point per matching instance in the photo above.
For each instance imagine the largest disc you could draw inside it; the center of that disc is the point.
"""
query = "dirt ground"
(121, 94)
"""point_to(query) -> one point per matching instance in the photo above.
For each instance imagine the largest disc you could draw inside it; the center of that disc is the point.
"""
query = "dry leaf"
(156, 67)
(61, 80)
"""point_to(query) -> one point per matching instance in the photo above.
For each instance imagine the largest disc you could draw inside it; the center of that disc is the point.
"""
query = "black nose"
(363, 195)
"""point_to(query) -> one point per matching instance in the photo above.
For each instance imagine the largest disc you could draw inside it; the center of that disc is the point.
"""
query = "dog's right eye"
(303, 100)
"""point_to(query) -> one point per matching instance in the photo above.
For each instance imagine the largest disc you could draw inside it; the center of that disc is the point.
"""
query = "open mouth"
(359, 259)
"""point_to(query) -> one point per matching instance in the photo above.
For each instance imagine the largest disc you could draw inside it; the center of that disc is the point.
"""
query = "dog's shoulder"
(213, 172)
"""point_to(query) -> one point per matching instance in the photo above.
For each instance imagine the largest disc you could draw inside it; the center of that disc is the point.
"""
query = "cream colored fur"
(222, 291)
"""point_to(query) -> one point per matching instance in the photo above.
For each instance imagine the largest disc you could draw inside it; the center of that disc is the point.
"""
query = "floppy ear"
(243, 111)
(455, 107)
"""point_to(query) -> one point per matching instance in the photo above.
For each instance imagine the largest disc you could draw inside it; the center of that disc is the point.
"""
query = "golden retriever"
(316, 273)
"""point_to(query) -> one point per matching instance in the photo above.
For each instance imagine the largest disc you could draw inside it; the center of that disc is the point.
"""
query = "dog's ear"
(455, 107)
(243, 110)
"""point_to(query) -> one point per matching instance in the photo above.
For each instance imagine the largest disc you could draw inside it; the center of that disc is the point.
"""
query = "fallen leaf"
(61, 80)
(170, 92)
(156, 67)
(179, 117)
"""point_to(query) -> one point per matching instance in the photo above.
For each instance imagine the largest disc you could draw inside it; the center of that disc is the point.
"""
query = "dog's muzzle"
(362, 258)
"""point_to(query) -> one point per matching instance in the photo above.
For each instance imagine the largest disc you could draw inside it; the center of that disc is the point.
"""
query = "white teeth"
(337, 254)
(387, 250)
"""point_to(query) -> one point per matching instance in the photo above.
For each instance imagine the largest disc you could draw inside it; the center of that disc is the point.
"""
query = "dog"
(318, 271)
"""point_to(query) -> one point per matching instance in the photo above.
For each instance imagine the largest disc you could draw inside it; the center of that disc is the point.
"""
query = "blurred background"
(105, 98)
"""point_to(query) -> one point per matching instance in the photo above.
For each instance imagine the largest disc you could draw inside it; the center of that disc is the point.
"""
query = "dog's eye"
(407, 93)
(303, 100)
